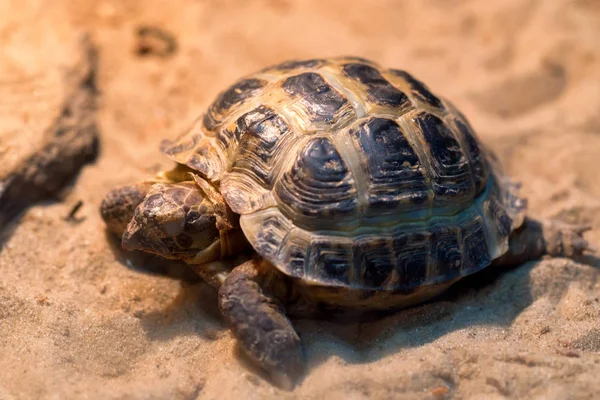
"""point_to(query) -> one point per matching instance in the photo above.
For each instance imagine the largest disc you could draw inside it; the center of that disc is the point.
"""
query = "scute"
(273, 231)
(412, 253)
(477, 158)
(291, 65)
(446, 252)
(395, 176)
(376, 256)
(450, 171)
(418, 89)
(475, 246)
(264, 132)
(380, 90)
(232, 97)
(318, 189)
(331, 260)
(316, 101)
(196, 151)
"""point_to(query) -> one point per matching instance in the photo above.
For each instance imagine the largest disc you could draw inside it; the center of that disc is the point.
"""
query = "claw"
(573, 238)
(566, 240)
(579, 245)
(583, 228)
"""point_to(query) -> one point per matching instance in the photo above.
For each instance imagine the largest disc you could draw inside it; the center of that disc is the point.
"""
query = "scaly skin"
(258, 321)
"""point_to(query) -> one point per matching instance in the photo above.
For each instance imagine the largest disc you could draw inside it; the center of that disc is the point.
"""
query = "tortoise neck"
(232, 242)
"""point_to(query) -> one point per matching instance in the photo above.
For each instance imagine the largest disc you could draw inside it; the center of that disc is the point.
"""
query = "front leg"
(259, 323)
(118, 206)
(550, 237)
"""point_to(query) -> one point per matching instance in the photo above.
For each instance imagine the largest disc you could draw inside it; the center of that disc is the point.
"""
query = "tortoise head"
(178, 221)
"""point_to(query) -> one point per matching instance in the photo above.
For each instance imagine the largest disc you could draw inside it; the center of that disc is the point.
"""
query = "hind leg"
(549, 237)
(259, 323)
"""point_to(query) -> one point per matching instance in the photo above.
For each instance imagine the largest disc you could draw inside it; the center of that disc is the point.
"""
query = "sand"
(80, 319)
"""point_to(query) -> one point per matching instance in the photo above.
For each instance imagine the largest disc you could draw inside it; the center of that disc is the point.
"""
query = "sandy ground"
(79, 319)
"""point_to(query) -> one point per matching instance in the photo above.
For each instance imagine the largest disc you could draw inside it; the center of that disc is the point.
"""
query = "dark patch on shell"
(479, 168)
(451, 177)
(268, 239)
(396, 176)
(200, 160)
(418, 89)
(380, 91)
(475, 249)
(261, 131)
(446, 253)
(234, 95)
(331, 261)
(319, 99)
(295, 64)
(373, 256)
(186, 143)
(412, 258)
(501, 220)
(319, 185)
(292, 256)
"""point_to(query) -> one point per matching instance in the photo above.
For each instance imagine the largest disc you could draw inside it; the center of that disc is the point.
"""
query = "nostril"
(184, 240)
(133, 237)
(138, 237)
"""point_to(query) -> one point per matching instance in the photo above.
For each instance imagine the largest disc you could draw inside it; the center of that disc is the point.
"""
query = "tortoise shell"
(347, 174)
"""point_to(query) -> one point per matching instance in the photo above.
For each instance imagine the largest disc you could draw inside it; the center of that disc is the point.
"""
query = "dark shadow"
(15, 213)
(590, 259)
(70, 142)
(8, 229)
(471, 302)
(193, 311)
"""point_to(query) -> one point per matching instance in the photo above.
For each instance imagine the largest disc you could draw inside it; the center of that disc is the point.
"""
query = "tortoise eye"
(184, 240)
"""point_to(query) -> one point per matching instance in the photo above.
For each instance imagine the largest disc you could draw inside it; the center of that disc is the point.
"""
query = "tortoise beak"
(138, 238)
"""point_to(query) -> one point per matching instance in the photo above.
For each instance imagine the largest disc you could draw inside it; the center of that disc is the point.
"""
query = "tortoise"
(329, 183)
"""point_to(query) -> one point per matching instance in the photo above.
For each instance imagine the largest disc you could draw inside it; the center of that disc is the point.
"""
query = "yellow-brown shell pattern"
(349, 174)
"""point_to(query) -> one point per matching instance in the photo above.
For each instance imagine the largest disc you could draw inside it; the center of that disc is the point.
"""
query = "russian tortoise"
(356, 188)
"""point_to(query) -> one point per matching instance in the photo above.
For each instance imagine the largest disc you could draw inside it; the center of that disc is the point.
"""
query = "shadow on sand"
(193, 310)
